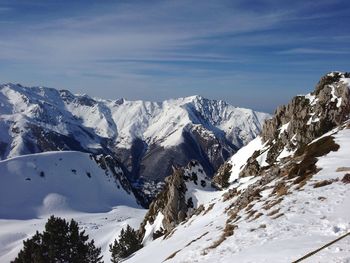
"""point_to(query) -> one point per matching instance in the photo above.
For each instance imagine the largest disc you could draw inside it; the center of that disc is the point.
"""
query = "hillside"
(284, 195)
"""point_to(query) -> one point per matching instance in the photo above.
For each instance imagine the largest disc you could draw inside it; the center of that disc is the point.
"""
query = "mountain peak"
(339, 74)
(333, 78)
(193, 97)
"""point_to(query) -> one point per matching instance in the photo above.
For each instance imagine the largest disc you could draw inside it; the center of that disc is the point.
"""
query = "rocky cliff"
(181, 196)
(298, 123)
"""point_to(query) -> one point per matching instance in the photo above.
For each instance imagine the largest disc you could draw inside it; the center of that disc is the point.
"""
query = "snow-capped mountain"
(147, 137)
(285, 194)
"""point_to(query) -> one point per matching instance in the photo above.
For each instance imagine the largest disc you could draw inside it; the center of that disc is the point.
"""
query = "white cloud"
(310, 51)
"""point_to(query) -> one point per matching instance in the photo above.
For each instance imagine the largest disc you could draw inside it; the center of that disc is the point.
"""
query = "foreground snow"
(66, 184)
(301, 222)
(49, 182)
(102, 227)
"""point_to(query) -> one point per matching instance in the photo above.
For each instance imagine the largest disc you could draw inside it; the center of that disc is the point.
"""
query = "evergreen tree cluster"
(128, 242)
(60, 242)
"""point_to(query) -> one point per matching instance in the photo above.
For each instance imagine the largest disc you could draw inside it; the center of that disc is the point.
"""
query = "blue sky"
(255, 54)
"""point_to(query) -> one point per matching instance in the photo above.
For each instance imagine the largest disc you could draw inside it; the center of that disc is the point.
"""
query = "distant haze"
(255, 54)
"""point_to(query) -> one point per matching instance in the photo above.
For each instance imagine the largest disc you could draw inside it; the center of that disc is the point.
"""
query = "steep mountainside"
(285, 194)
(147, 137)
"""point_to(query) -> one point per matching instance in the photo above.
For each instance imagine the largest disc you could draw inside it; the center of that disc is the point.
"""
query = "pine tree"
(60, 242)
(128, 243)
(32, 250)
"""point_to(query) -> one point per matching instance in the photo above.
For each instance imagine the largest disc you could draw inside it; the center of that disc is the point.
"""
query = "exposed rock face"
(302, 120)
(108, 163)
(307, 117)
(176, 201)
(170, 202)
(252, 168)
(175, 209)
(220, 180)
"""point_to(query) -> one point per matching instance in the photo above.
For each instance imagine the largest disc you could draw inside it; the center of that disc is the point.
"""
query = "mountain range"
(147, 138)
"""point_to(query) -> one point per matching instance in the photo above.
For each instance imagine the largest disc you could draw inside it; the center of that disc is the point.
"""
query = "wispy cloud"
(129, 32)
(147, 45)
(312, 51)
(5, 9)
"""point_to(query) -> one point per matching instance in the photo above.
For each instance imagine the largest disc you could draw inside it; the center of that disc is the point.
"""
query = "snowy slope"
(57, 180)
(102, 227)
(296, 224)
(67, 184)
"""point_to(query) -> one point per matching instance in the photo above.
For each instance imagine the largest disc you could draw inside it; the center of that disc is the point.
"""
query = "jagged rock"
(108, 163)
(346, 179)
(329, 103)
(220, 180)
(302, 120)
(170, 202)
(175, 202)
(175, 209)
(252, 168)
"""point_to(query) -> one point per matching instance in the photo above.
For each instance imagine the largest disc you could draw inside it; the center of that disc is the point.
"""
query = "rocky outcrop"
(111, 165)
(252, 168)
(305, 118)
(176, 201)
(222, 176)
(170, 202)
(175, 208)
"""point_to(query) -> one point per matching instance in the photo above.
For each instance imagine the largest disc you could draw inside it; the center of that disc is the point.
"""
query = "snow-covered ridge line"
(126, 119)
